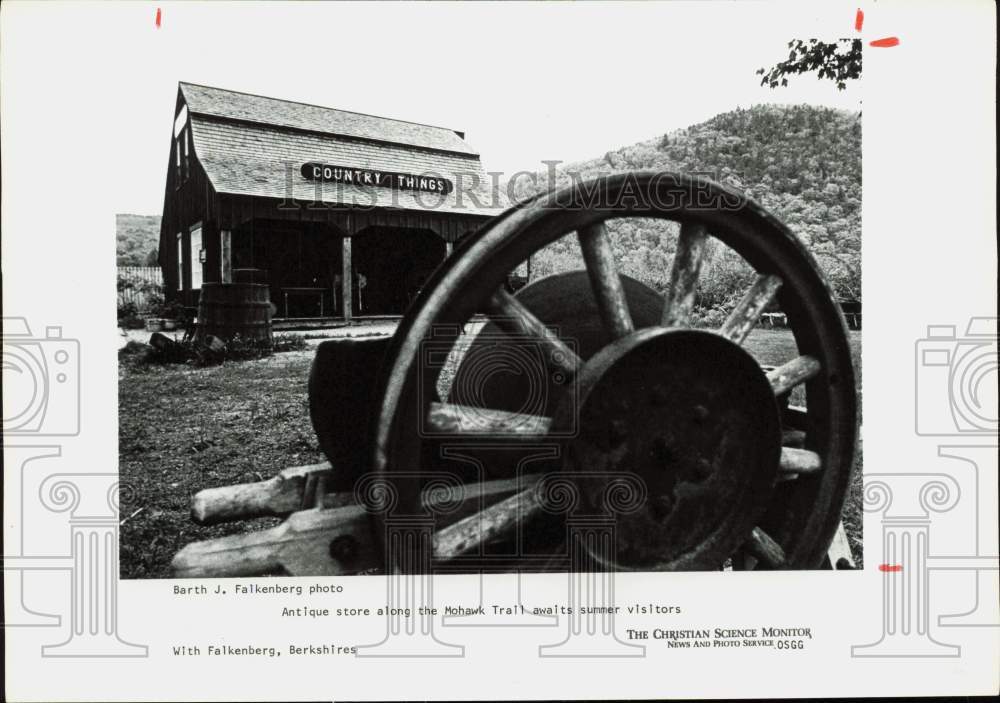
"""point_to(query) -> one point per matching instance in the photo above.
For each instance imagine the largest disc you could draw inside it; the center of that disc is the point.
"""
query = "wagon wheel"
(688, 411)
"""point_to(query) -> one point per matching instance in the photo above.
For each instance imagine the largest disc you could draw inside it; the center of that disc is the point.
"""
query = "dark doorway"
(301, 262)
(390, 267)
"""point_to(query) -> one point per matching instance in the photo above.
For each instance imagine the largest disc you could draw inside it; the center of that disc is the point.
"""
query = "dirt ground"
(184, 428)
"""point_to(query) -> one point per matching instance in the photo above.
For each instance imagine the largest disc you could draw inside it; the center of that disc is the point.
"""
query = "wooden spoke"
(786, 377)
(764, 548)
(746, 313)
(300, 545)
(793, 438)
(795, 462)
(515, 319)
(679, 299)
(604, 279)
(796, 417)
(743, 560)
(450, 418)
(470, 534)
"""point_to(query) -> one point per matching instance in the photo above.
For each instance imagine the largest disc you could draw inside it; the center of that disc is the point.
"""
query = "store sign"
(330, 173)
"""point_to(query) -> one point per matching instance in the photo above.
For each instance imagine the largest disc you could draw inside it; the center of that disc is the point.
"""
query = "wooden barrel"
(229, 309)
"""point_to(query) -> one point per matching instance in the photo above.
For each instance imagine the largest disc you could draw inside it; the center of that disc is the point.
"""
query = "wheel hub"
(692, 416)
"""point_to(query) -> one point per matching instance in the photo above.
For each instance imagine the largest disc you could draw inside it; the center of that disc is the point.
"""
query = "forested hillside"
(138, 239)
(802, 163)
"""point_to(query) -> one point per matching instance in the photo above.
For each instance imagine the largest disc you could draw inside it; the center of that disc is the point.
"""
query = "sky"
(526, 82)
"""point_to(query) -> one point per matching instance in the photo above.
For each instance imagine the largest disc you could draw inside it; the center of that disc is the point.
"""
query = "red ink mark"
(157, 18)
(890, 567)
(859, 19)
(885, 43)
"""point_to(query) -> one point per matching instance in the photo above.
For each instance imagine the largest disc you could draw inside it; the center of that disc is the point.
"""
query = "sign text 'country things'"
(331, 173)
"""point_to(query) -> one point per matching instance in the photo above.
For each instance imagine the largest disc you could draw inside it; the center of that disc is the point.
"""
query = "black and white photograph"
(347, 314)
(480, 350)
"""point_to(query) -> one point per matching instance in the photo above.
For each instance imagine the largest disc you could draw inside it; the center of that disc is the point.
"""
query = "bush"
(725, 277)
(172, 310)
(127, 310)
(708, 318)
(241, 348)
(128, 316)
(290, 342)
(208, 353)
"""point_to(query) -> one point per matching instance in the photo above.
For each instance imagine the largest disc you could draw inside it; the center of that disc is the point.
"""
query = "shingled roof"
(249, 145)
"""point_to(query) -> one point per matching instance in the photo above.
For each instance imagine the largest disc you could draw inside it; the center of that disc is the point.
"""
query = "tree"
(838, 61)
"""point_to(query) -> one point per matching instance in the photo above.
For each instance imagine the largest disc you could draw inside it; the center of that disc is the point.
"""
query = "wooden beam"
(346, 279)
(277, 496)
(459, 420)
(226, 255)
(300, 546)
(337, 538)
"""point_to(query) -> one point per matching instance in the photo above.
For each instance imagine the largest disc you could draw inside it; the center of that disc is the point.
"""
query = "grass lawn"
(183, 428)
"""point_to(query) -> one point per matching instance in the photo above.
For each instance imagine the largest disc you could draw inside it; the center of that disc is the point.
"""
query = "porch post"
(345, 279)
(226, 248)
(448, 247)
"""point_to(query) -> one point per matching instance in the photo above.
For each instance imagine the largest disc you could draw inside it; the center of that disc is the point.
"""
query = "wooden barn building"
(341, 214)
